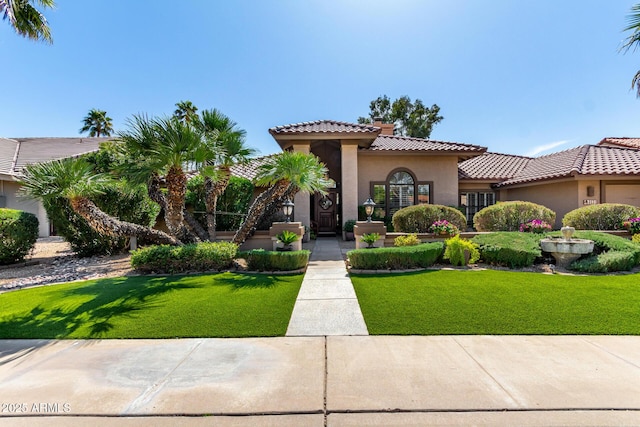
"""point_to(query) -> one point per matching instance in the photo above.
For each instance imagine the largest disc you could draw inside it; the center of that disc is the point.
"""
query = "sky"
(519, 77)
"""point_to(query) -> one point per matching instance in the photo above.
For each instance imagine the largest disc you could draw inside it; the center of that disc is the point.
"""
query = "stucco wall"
(441, 170)
(9, 189)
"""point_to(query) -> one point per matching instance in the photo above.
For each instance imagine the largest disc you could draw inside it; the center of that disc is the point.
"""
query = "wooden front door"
(326, 212)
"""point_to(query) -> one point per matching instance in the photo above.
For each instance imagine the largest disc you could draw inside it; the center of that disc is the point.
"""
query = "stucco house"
(16, 153)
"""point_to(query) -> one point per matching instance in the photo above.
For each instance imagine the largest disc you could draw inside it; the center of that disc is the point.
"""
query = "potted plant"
(348, 229)
(444, 228)
(370, 239)
(286, 237)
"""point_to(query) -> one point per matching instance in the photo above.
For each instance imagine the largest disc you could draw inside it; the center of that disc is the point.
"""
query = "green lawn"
(218, 305)
(498, 302)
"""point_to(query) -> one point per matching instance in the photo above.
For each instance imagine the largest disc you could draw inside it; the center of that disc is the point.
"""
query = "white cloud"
(545, 147)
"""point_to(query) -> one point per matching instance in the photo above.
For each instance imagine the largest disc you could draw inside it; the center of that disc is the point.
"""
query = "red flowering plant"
(443, 226)
(632, 225)
(535, 226)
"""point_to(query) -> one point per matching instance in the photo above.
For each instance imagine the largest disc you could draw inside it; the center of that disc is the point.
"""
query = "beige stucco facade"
(9, 190)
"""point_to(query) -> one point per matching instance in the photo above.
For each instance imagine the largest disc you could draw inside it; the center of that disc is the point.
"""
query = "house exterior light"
(368, 208)
(287, 208)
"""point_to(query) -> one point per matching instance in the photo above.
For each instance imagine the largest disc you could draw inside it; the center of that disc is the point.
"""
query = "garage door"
(627, 194)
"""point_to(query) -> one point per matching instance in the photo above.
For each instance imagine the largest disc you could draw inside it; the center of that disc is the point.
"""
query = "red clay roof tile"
(324, 126)
(492, 167)
(622, 142)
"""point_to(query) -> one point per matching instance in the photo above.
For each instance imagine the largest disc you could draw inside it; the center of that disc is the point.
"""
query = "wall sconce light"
(287, 208)
(368, 208)
(590, 191)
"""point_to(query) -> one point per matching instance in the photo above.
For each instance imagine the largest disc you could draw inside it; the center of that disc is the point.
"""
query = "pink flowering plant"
(444, 227)
(535, 226)
(632, 225)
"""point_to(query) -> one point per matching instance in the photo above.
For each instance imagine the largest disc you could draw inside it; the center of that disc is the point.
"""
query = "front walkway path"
(327, 303)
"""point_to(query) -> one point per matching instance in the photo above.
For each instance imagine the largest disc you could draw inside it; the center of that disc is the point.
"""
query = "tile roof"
(583, 160)
(622, 142)
(404, 143)
(16, 153)
(492, 167)
(249, 170)
(324, 126)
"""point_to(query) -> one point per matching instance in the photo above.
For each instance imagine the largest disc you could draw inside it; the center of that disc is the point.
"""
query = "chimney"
(387, 128)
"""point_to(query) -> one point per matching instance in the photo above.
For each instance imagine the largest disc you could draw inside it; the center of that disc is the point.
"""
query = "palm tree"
(26, 20)
(303, 172)
(162, 148)
(75, 180)
(97, 123)
(225, 142)
(186, 111)
(633, 41)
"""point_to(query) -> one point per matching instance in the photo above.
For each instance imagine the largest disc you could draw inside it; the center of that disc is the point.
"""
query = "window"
(474, 202)
(399, 191)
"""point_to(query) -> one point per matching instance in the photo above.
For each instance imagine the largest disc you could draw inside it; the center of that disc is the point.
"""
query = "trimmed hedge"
(511, 249)
(605, 216)
(18, 235)
(418, 218)
(261, 260)
(396, 258)
(507, 216)
(610, 253)
(196, 257)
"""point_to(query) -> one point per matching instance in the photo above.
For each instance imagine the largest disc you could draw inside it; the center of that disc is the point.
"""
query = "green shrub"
(635, 238)
(420, 256)
(606, 216)
(511, 249)
(18, 235)
(370, 239)
(261, 260)
(206, 256)
(456, 248)
(408, 240)
(507, 216)
(287, 237)
(131, 205)
(418, 218)
(610, 253)
(349, 225)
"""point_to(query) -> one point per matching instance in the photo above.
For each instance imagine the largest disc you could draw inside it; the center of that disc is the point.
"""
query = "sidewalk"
(326, 303)
(310, 381)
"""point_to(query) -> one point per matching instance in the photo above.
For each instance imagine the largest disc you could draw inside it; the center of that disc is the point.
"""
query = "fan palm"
(225, 147)
(285, 171)
(97, 123)
(186, 111)
(75, 180)
(26, 20)
(633, 41)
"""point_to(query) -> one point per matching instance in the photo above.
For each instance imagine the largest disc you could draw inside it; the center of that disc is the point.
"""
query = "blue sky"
(517, 77)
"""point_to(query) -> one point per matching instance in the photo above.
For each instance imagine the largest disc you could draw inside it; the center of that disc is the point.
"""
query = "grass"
(497, 302)
(213, 305)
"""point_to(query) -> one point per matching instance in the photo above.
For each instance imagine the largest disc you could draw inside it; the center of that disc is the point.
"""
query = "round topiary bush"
(606, 216)
(18, 235)
(418, 218)
(507, 216)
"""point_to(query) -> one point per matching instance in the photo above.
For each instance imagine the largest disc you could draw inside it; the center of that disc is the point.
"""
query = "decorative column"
(349, 184)
(302, 211)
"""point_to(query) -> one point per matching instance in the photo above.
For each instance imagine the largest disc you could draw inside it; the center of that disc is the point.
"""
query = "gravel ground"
(52, 261)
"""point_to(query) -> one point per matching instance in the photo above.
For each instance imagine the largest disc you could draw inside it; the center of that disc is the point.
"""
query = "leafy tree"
(186, 112)
(633, 41)
(410, 118)
(300, 171)
(97, 123)
(26, 20)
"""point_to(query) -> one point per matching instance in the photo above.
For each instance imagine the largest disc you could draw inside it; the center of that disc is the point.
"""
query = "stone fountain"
(566, 249)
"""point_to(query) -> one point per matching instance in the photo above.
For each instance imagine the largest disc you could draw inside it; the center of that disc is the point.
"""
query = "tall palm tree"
(162, 148)
(26, 20)
(97, 123)
(633, 41)
(75, 180)
(303, 172)
(186, 111)
(226, 147)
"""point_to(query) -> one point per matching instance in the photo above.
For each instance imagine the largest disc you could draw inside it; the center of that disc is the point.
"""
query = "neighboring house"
(16, 153)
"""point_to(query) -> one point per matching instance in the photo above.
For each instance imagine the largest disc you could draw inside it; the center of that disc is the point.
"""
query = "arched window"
(400, 190)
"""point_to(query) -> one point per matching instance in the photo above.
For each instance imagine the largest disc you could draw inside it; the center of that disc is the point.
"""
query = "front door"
(326, 212)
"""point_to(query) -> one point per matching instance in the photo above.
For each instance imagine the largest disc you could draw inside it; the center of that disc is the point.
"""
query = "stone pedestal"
(294, 227)
(364, 227)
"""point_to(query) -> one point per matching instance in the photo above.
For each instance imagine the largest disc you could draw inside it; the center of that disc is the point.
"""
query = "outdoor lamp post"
(368, 208)
(287, 208)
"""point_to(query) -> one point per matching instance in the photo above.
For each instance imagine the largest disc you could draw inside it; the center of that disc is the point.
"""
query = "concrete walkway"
(326, 303)
(317, 381)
